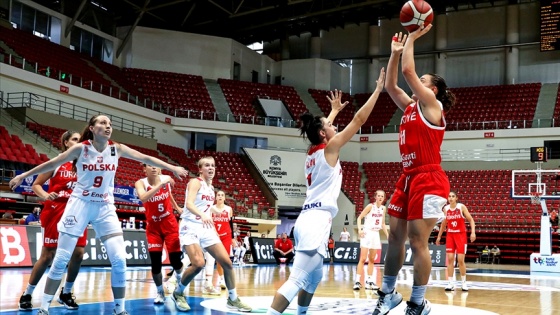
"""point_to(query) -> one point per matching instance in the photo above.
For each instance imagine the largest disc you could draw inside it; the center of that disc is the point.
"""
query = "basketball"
(414, 13)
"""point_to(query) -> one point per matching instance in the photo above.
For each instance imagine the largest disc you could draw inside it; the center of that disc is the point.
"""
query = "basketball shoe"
(414, 309)
(387, 302)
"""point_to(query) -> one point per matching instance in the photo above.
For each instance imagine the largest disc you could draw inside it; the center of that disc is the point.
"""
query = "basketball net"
(536, 198)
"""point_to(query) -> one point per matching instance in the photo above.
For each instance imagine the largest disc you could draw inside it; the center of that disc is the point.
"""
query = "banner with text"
(284, 172)
(21, 246)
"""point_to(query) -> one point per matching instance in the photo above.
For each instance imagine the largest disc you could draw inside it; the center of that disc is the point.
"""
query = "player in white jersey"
(370, 242)
(323, 180)
(197, 232)
(92, 202)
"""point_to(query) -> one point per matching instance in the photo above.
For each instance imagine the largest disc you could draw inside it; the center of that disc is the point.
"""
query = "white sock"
(232, 294)
(119, 306)
(358, 278)
(302, 309)
(46, 301)
(67, 287)
(29, 290)
(464, 278)
(272, 311)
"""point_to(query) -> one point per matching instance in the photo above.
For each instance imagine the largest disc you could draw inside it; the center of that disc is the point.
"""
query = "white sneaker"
(160, 298)
(370, 285)
(180, 302)
(357, 286)
(211, 290)
(170, 285)
(223, 285)
(464, 287)
(450, 287)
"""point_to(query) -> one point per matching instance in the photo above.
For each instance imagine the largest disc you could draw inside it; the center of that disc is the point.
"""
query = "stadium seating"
(241, 97)
(381, 115)
(14, 150)
(344, 117)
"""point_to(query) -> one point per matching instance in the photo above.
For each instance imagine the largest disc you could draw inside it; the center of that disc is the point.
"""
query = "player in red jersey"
(422, 190)
(456, 239)
(61, 182)
(221, 215)
(92, 202)
(161, 225)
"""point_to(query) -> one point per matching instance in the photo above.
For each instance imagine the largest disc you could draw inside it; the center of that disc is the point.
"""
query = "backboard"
(524, 183)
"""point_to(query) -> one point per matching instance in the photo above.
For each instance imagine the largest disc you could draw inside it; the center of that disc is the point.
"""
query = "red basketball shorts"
(163, 232)
(420, 195)
(456, 242)
(50, 216)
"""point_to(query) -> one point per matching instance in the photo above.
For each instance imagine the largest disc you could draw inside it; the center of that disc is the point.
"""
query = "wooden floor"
(494, 289)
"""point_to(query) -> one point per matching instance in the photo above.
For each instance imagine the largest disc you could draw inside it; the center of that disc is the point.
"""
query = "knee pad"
(315, 278)
(175, 259)
(61, 259)
(298, 280)
(117, 256)
(155, 257)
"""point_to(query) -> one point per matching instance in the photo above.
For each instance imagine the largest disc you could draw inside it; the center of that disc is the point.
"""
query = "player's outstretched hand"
(180, 172)
(15, 182)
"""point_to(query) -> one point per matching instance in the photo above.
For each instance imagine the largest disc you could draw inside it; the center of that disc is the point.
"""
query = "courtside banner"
(14, 246)
(262, 250)
(346, 252)
(25, 187)
(20, 246)
(284, 172)
(437, 252)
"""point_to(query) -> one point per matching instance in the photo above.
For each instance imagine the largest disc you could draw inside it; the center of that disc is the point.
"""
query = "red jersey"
(62, 182)
(284, 245)
(455, 219)
(159, 207)
(221, 221)
(419, 140)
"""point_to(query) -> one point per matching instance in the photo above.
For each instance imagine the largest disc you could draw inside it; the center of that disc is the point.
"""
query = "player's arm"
(441, 229)
(193, 187)
(398, 95)
(144, 195)
(127, 152)
(174, 203)
(336, 104)
(335, 143)
(366, 210)
(383, 225)
(71, 154)
(38, 186)
(469, 217)
(215, 210)
(431, 108)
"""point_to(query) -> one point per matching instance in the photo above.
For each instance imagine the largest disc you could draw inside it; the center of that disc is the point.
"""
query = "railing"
(514, 154)
(123, 95)
(61, 108)
(17, 125)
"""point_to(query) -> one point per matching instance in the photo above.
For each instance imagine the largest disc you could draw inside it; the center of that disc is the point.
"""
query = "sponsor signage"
(25, 187)
(346, 252)
(284, 172)
(262, 250)
(437, 252)
(21, 246)
(64, 89)
(126, 194)
(542, 263)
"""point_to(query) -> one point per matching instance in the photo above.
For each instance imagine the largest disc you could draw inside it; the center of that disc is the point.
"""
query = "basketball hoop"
(536, 198)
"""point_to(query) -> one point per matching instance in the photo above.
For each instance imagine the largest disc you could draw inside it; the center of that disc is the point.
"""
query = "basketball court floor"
(494, 289)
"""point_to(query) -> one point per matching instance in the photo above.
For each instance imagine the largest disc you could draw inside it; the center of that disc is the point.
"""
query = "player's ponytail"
(65, 137)
(310, 127)
(87, 134)
(445, 96)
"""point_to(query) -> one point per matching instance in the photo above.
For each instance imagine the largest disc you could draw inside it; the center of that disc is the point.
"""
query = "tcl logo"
(346, 253)
(264, 251)
(15, 247)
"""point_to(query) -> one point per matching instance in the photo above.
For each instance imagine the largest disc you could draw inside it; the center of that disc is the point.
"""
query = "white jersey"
(374, 219)
(96, 173)
(323, 181)
(204, 200)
